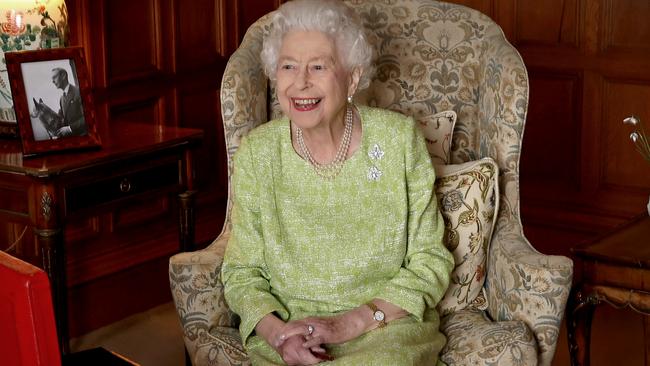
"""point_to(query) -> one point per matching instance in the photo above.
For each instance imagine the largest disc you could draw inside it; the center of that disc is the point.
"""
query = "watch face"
(379, 315)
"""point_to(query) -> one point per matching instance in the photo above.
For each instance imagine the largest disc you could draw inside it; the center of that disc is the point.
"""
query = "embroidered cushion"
(468, 197)
(437, 130)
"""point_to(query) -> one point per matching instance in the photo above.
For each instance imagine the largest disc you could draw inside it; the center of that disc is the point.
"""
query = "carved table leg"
(50, 240)
(187, 221)
(51, 244)
(580, 311)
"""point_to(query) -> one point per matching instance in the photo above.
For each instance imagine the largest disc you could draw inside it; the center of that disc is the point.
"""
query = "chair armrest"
(523, 284)
(195, 280)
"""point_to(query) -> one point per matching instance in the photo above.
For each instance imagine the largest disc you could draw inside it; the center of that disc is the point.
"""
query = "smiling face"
(312, 84)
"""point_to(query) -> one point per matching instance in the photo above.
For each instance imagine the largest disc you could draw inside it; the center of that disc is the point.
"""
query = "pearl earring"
(349, 99)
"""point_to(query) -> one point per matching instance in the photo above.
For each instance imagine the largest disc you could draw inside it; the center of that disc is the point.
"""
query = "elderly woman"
(336, 250)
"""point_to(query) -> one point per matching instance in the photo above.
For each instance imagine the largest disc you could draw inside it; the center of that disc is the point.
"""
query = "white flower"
(374, 173)
(631, 120)
(376, 153)
(639, 137)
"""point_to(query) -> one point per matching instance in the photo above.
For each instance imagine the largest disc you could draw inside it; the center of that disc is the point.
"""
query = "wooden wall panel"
(132, 39)
(626, 25)
(94, 304)
(552, 126)
(201, 108)
(484, 6)
(555, 23)
(587, 64)
(249, 11)
(238, 15)
(623, 165)
(141, 111)
(199, 38)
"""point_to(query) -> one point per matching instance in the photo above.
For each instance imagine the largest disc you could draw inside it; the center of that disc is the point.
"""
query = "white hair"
(330, 17)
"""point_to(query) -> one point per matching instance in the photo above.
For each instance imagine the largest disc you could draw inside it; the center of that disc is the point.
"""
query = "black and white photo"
(56, 108)
(52, 100)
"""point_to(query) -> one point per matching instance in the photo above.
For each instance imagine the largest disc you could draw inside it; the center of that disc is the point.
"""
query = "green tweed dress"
(303, 246)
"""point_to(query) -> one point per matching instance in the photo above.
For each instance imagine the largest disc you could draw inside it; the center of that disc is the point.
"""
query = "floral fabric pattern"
(437, 130)
(468, 199)
(431, 57)
(475, 340)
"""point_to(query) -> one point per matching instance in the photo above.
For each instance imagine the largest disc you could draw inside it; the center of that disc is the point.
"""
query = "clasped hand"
(298, 346)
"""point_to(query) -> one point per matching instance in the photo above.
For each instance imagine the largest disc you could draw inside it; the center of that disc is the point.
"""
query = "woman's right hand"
(293, 352)
(291, 349)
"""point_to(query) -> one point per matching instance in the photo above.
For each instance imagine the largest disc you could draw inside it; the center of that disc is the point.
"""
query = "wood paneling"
(249, 11)
(140, 111)
(554, 24)
(625, 25)
(200, 108)
(484, 6)
(199, 35)
(622, 163)
(132, 39)
(553, 122)
(587, 63)
(111, 298)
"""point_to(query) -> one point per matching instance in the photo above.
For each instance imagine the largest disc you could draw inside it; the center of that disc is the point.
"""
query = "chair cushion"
(437, 130)
(222, 346)
(468, 197)
(473, 339)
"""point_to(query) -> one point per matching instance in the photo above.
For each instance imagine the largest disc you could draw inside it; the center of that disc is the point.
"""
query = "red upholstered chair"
(27, 326)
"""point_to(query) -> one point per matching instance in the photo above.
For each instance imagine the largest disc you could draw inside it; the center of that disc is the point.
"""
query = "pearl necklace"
(329, 170)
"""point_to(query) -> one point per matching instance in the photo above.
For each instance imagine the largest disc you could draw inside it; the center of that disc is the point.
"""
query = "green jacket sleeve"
(424, 276)
(244, 273)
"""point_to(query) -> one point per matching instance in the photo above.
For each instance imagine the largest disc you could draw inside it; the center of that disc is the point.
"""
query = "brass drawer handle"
(125, 185)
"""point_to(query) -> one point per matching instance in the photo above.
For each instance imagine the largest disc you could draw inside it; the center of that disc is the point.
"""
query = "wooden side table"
(135, 162)
(615, 270)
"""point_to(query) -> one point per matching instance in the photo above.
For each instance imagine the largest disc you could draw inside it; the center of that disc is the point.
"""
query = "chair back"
(431, 56)
(27, 326)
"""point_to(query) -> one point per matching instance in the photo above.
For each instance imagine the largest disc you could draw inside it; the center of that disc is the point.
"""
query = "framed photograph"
(52, 100)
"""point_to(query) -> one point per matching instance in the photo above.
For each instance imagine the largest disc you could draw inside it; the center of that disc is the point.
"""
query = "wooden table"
(615, 270)
(135, 161)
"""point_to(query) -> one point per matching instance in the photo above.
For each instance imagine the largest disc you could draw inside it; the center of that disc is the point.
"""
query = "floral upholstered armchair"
(431, 57)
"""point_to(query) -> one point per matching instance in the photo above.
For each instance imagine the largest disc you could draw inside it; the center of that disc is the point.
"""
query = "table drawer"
(120, 186)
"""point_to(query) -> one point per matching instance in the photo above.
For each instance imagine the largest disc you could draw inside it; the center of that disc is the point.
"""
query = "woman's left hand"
(324, 330)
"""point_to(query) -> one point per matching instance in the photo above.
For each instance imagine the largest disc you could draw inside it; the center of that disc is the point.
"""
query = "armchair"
(27, 326)
(432, 56)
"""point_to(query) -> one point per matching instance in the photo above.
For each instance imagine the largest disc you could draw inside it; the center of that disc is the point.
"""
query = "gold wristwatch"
(377, 315)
